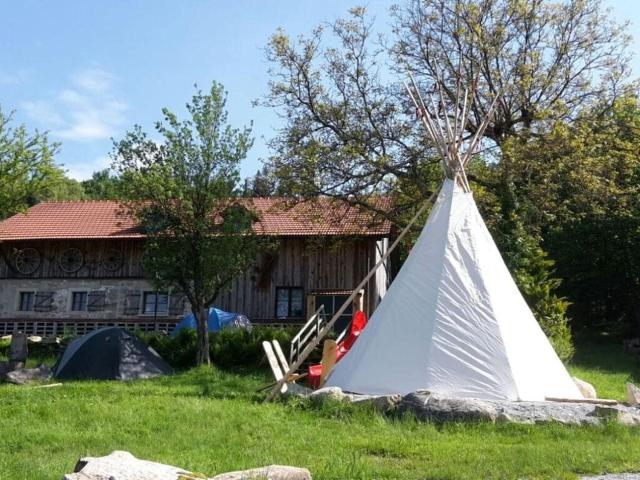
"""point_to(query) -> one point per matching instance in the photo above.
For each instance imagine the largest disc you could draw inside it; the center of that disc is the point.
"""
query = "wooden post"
(358, 302)
(311, 305)
(18, 351)
(329, 358)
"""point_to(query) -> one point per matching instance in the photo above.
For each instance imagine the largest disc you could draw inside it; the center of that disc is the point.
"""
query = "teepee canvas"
(453, 321)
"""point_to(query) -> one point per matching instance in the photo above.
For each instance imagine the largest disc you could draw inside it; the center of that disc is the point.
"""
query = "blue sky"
(87, 71)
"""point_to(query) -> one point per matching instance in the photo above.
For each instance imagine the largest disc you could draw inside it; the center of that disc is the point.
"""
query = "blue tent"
(218, 319)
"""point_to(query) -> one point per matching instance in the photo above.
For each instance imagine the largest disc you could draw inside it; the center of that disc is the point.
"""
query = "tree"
(349, 126)
(265, 183)
(546, 59)
(28, 172)
(199, 234)
(350, 130)
(582, 193)
(346, 132)
(103, 185)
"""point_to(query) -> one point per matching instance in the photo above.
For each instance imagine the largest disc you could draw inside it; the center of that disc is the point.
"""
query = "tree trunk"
(202, 317)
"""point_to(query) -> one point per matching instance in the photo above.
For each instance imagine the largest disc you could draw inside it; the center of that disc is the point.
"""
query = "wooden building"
(78, 265)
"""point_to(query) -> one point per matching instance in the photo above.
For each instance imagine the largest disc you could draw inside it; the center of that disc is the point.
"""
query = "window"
(332, 303)
(79, 301)
(155, 303)
(26, 301)
(289, 302)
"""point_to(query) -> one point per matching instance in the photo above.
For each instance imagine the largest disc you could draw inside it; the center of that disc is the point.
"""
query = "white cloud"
(86, 110)
(83, 170)
(94, 80)
(43, 112)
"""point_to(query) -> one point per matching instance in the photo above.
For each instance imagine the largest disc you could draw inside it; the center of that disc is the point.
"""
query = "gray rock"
(124, 466)
(546, 412)
(432, 407)
(633, 394)
(26, 375)
(381, 403)
(614, 476)
(460, 409)
(427, 406)
(586, 389)
(273, 472)
(619, 413)
(386, 403)
(295, 390)
(331, 393)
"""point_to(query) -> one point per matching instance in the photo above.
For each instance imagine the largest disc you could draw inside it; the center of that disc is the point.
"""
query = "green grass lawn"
(211, 421)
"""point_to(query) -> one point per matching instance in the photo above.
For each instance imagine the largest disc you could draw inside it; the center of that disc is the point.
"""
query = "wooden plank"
(275, 366)
(329, 358)
(283, 361)
(595, 401)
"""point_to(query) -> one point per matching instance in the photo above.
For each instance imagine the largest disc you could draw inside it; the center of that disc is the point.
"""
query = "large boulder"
(27, 375)
(586, 389)
(427, 406)
(124, 466)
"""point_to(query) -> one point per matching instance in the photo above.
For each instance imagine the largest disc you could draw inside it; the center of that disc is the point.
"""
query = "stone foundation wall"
(119, 302)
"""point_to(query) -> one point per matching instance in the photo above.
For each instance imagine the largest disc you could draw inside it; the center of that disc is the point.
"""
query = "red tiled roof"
(105, 219)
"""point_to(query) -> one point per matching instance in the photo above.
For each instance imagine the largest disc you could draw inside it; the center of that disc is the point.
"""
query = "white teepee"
(453, 320)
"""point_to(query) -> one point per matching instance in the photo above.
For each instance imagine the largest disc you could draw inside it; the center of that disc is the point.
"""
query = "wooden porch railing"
(307, 334)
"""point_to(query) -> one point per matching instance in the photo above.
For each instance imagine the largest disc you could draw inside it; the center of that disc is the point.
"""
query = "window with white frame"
(155, 303)
(289, 302)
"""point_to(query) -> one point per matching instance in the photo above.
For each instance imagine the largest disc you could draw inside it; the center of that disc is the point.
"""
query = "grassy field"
(211, 421)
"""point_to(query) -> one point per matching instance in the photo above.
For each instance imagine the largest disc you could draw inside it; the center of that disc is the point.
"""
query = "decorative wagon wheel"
(27, 260)
(112, 259)
(71, 260)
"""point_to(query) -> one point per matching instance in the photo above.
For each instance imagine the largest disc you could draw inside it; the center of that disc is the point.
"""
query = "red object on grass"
(358, 322)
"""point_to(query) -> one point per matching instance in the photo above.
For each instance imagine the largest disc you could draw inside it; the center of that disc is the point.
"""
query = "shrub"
(230, 349)
(179, 352)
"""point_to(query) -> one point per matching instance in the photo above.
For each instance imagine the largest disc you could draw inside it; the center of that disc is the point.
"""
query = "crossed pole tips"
(446, 124)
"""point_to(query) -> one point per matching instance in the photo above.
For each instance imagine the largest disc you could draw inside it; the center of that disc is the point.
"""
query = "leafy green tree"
(580, 188)
(104, 185)
(263, 184)
(28, 172)
(350, 128)
(351, 131)
(199, 234)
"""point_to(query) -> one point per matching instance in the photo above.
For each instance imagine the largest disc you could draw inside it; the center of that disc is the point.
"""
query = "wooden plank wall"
(93, 250)
(312, 265)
